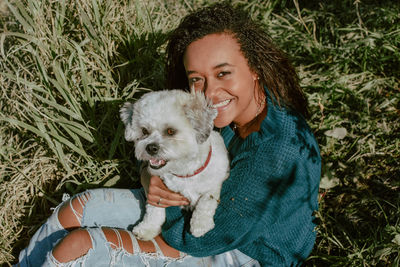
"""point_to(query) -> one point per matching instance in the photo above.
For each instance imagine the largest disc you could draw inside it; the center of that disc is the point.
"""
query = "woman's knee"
(118, 239)
(122, 239)
(71, 212)
(73, 246)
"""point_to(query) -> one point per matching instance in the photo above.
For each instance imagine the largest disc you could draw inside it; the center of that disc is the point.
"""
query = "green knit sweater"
(267, 204)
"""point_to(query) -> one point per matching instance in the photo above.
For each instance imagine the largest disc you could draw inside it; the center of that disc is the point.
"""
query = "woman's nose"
(210, 89)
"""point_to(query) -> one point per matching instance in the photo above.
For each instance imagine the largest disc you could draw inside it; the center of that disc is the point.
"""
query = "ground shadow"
(140, 58)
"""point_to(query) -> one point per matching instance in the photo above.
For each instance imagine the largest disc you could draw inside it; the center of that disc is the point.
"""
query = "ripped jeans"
(116, 209)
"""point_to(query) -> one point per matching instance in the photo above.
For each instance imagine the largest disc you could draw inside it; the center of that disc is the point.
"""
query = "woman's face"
(215, 65)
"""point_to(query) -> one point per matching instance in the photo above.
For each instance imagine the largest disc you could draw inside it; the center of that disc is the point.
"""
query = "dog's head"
(168, 126)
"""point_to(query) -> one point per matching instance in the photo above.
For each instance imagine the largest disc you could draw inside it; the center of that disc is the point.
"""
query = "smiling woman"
(265, 211)
(215, 65)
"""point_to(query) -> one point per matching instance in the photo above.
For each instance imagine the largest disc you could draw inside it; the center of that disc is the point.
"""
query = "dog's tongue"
(157, 162)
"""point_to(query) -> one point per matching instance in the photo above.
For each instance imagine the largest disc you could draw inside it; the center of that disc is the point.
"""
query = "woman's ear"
(255, 77)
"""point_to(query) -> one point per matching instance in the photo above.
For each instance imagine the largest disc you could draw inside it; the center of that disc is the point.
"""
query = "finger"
(156, 182)
(157, 200)
(160, 195)
(167, 203)
(157, 193)
(159, 190)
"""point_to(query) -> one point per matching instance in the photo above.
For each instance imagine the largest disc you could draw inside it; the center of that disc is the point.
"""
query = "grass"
(66, 67)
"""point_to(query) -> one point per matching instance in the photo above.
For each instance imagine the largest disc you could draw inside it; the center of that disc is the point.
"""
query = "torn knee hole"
(118, 239)
(124, 240)
(71, 213)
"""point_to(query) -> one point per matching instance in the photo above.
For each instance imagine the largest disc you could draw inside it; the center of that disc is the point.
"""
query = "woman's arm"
(268, 199)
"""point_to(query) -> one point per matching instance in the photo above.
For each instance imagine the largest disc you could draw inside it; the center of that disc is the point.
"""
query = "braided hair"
(265, 59)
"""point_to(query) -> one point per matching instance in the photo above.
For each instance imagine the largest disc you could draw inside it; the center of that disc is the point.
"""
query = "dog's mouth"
(157, 163)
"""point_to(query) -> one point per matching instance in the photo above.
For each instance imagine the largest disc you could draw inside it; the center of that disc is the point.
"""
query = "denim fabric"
(117, 208)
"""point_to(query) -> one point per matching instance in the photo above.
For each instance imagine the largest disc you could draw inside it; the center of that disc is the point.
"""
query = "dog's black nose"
(152, 149)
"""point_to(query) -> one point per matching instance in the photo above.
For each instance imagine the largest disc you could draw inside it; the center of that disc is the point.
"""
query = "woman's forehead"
(213, 50)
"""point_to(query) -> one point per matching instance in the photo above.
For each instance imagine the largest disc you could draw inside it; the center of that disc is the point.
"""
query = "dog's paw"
(201, 227)
(145, 232)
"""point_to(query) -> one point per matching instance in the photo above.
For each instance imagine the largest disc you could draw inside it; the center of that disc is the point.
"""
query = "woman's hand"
(160, 196)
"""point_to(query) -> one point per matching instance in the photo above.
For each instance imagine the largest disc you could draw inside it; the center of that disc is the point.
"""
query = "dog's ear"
(126, 114)
(201, 115)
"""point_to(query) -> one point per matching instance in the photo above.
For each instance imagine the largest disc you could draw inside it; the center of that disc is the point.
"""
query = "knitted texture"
(267, 204)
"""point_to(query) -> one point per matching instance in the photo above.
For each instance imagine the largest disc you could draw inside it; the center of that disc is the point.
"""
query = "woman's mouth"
(222, 104)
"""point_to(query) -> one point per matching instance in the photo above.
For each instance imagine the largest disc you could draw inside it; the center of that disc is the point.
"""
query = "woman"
(265, 212)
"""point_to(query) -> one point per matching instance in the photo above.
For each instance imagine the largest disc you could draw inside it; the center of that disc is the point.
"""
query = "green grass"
(66, 67)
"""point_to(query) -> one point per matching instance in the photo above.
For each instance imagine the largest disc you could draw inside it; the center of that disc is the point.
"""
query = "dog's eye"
(170, 131)
(144, 131)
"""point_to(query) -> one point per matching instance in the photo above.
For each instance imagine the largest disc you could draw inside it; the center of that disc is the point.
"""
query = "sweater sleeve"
(256, 192)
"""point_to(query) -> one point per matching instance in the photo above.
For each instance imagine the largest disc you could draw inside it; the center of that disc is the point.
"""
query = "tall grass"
(66, 66)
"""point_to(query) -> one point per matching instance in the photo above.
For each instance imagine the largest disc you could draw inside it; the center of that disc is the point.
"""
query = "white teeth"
(157, 162)
(221, 104)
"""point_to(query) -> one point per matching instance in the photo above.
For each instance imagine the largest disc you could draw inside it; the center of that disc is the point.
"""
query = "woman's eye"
(170, 131)
(145, 131)
(223, 73)
(194, 80)
(196, 83)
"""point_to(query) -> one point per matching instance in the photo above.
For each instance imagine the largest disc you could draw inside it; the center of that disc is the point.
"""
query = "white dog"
(173, 132)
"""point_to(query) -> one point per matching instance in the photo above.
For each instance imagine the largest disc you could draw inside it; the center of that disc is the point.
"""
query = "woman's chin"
(221, 122)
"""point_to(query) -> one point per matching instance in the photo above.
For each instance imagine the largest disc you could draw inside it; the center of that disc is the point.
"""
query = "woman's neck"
(252, 126)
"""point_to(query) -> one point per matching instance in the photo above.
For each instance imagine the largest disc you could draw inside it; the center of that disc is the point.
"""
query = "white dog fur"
(173, 132)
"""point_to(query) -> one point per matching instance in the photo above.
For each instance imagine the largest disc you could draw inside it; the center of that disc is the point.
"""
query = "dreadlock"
(264, 58)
